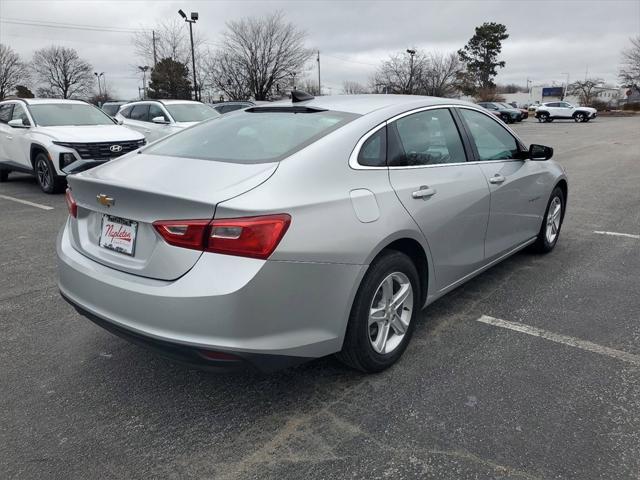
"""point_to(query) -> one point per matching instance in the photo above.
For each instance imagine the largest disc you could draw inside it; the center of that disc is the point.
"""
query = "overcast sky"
(547, 38)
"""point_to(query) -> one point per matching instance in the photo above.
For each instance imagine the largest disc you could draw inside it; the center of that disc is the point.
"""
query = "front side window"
(140, 113)
(427, 138)
(61, 114)
(251, 136)
(19, 113)
(191, 112)
(373, 152)
(156, 111)
(5, 112)
(492, 141)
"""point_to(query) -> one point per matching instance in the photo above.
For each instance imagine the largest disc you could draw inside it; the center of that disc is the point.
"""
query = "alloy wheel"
(554, 216)
(43, 174)
(390, 313)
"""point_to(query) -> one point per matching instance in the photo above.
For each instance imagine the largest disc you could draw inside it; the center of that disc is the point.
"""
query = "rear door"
(517, 185)
(138, 119)
(446, 196)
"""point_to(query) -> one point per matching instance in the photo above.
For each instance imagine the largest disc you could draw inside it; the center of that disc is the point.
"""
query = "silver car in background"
(291, 231)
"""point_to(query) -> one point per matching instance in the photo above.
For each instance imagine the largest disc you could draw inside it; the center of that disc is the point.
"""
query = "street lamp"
(293, 74)
(194, 18)
(144, 69)
(412, 54)
(98, 75)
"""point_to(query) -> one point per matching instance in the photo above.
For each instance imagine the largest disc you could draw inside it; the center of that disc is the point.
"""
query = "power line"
(349, 61)
(73, 26)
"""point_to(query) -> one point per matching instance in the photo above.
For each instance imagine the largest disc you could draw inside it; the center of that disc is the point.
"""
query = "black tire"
(506, 118)
(46, 176)
(579, 117)
(357, 349)
(543, 117)
(4, 175)
(542, 243)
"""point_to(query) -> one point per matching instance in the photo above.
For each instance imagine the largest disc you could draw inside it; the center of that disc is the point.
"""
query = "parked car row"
(51, 138)
(545, 112)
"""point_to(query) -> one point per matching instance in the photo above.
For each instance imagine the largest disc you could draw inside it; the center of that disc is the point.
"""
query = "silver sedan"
(291, 231)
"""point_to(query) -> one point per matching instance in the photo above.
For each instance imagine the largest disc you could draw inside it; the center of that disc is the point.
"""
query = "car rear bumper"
(260, 311)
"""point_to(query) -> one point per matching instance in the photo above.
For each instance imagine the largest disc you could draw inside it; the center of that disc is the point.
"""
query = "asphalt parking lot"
(546, 386)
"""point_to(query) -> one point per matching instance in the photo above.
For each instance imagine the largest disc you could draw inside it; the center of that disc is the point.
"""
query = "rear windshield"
(59, 114)
(251, 136)
(191, 112)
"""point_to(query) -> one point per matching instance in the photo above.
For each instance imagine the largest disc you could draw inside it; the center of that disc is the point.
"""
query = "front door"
(446, 196)
(517, 185)
(17, 145)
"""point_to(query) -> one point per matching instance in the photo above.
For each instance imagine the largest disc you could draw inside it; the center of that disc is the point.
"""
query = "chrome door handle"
(424, 192)
(497, 179)
(9, 137)
(147, 131)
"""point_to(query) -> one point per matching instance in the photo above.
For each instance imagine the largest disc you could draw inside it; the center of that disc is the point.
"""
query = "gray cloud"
(547, 38)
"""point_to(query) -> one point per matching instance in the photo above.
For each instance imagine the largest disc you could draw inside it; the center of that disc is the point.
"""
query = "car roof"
(161, 101)
(364, 104)
(39, 101)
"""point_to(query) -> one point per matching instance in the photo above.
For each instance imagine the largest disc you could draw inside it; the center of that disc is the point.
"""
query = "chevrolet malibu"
(291, 231)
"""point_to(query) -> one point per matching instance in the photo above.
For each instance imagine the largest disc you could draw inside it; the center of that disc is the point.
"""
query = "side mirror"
(19, 123)
(159, 120)
(540, 152)
(119, 121)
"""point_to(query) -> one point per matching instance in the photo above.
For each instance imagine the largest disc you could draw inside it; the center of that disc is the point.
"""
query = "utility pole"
(155, 57)
(319, 84)
(194, 18)
(411, 53)
(566, 85)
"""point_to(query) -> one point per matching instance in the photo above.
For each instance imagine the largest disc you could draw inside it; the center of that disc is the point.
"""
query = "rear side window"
(5, 112)
(427, 138)
(252, 136)
(140, 113)
(373, 152)
(492, 141)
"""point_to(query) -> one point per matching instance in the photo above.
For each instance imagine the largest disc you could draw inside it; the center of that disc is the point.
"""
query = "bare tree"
(350, 87)
(442, 74)
(262, 52)
(12, 71)
(61, 73)
(630, 69)
(227, 74)
(401, 74)
(171, 41)
(586, 90)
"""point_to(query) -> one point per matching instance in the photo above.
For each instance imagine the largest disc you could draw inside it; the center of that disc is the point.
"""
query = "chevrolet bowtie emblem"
(105, 200)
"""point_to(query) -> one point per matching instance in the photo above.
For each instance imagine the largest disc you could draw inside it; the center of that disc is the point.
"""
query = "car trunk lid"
(137, 191)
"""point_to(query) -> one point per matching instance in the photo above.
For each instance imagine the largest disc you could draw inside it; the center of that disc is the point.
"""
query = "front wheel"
(543, 117)
(552, 223)
(46, 175)
(383, 315)
(579, 117)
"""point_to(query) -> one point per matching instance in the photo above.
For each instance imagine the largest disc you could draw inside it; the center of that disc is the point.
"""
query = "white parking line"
(617, 234)
(26, 202)
(564, 339)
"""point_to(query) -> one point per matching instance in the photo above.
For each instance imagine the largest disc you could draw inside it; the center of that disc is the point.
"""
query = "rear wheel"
(383, 315)
(46, 175)
(4, 175)
(543, 117)
(551, 224)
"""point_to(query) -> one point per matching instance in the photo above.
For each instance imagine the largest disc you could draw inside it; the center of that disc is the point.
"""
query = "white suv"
(548, 112)
(159, 118)
(51, 138)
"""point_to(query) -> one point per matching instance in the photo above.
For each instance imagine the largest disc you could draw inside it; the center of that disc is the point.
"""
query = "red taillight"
(183, 233)
(71, 203)
(255, 237)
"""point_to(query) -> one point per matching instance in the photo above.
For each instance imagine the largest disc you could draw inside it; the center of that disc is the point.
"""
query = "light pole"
(144, 69)
(412, 54)
(293, 74)
(194, 18)
(98, 75)
(566, 85)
